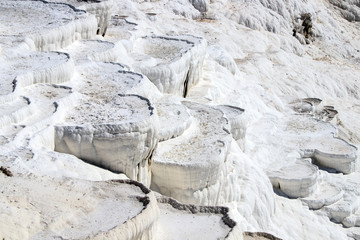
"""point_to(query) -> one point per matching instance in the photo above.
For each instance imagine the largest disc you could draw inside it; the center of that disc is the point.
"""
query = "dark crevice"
(186, 84)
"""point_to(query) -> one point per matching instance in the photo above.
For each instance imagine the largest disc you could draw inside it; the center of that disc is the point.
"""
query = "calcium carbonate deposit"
(179, 119)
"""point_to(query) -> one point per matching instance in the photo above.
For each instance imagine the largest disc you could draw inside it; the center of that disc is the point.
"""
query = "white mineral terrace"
(174, 119)
(195, 160)
(173, 64)
(121, 142)
(98, 209)
(242, 117)
(47, 25)
(29, 68)
(208, 222)
(94, 50)
(296, 180)
(102, 79)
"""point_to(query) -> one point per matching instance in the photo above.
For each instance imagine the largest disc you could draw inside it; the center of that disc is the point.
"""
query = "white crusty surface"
(122, 142)
(299, 95)
(296, 180)
(174, 119)
(74, 209)
(48, 26)
(208, 222)
(195, 160)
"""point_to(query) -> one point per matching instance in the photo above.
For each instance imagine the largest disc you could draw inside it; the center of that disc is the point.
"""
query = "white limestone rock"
(319, 142)
(313, 107)
(93, 50)
(55, 208)
(121, 141)
(222, 57)
(121, 28)
(349, 9)
(317, 139)
(27, 68)
(195, 160)
(200, 222)
(102, 10)
(346, 209)
(236, 119)
(15, 111)
(99, 80)
(325, 195)
(306, 105)
(173, 64)
(45, 26)
(296, 180)
(174, 119)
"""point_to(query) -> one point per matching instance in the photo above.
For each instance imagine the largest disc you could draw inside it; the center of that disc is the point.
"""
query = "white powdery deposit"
(29, 68)
(121, 142)
(173, 64)
(99, 80)
(174, 119)
(121, 209)
(196, 159)
(296, 180)
(215, 53)
(93, 50)
(201, 222)
(63, 25)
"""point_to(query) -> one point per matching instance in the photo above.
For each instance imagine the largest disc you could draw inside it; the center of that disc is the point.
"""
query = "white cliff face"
(208, 102)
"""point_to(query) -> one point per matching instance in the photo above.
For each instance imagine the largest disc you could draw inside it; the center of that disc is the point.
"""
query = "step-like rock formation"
(317, 140)
(44, 26)
(68, 209)
(200, 222)
(296, 180)
(121, 28)
(174, 119)
(236, 120)
(30, 68)
(173, 64)
(325, 195)
(99, 80)
(93, 50)
(195, 160)
(121, 140)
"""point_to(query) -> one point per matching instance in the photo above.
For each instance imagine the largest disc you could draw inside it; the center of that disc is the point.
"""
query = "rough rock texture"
(123, 142)
(103, 79)
(30, 68)
(237, 122)
(296, 180)
(174, 119)
(195, 160)
(208, 222)
(76, 209)
(174, 70)
(228, 64)
(63, 24)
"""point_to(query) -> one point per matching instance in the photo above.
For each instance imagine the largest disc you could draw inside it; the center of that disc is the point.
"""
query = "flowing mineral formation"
(241, 117)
